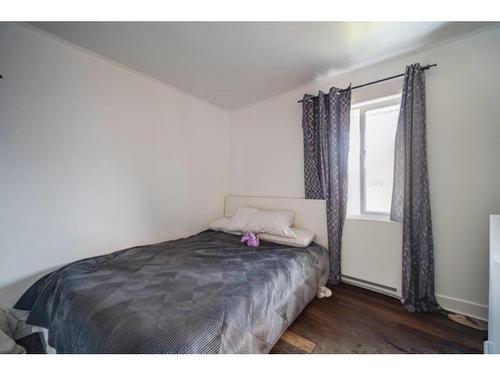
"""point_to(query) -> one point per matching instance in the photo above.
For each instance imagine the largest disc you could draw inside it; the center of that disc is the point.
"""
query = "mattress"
(207, 293)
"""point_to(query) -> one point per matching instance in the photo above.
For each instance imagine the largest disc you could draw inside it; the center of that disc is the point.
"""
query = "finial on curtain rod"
(381, 80)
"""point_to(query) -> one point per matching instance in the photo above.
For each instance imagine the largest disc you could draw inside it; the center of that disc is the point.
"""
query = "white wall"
(463, 117)
(95, 158)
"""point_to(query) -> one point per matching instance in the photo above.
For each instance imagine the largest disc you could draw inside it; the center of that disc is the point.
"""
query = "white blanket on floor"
(8, 326)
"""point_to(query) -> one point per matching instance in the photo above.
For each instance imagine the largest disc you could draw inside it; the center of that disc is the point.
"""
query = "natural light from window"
(371, 157)
(380, 132)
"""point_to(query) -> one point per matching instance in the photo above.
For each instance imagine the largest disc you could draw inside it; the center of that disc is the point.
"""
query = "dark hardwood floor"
(355, 320)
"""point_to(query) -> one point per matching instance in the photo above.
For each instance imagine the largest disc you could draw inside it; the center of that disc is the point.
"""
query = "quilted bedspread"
(207, 293)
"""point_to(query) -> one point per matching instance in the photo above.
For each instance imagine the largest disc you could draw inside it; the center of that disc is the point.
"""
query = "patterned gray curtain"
(325, 122)
(410, 196)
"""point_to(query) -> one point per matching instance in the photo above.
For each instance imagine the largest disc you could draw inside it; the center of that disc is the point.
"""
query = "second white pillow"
(303, 238)
(248, 219)
(222, 225)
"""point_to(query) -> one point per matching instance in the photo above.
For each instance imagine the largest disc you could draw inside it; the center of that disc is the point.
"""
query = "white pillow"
(303, 238)
(222, 225)
(248, 219)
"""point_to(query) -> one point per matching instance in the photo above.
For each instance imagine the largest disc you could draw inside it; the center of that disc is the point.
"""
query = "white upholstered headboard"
(309, 213)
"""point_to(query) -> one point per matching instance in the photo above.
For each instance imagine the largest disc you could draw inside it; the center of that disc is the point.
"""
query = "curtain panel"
(410, 197)
(325, 123)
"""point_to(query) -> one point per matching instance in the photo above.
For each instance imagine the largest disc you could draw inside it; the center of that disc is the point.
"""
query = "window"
(371, 157)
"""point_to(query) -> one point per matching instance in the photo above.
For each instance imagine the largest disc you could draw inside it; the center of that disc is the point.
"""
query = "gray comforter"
(207, 293)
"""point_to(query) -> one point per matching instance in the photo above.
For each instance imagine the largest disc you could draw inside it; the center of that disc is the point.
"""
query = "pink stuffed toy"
(251, 239)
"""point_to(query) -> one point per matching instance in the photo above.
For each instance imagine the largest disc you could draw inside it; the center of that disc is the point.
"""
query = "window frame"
(390, 101)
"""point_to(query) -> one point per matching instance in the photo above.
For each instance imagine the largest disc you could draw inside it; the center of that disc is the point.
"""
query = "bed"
(207, 293)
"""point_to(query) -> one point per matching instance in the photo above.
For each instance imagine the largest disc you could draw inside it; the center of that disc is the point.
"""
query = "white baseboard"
(374, 288)
(460, 306)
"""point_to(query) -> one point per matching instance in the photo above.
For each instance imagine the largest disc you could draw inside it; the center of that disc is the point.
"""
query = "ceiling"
(232, 64)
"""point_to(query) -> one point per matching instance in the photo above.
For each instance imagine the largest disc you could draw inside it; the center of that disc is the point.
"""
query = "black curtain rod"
(380, 80)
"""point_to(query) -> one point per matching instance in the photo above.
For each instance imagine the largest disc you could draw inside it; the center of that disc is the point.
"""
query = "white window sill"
(382, 218)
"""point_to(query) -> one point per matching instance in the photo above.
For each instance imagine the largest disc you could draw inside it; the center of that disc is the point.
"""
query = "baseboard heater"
(371, 283)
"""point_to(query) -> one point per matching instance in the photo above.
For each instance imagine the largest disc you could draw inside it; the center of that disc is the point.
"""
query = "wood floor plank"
(298, 341)
(356, 320)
